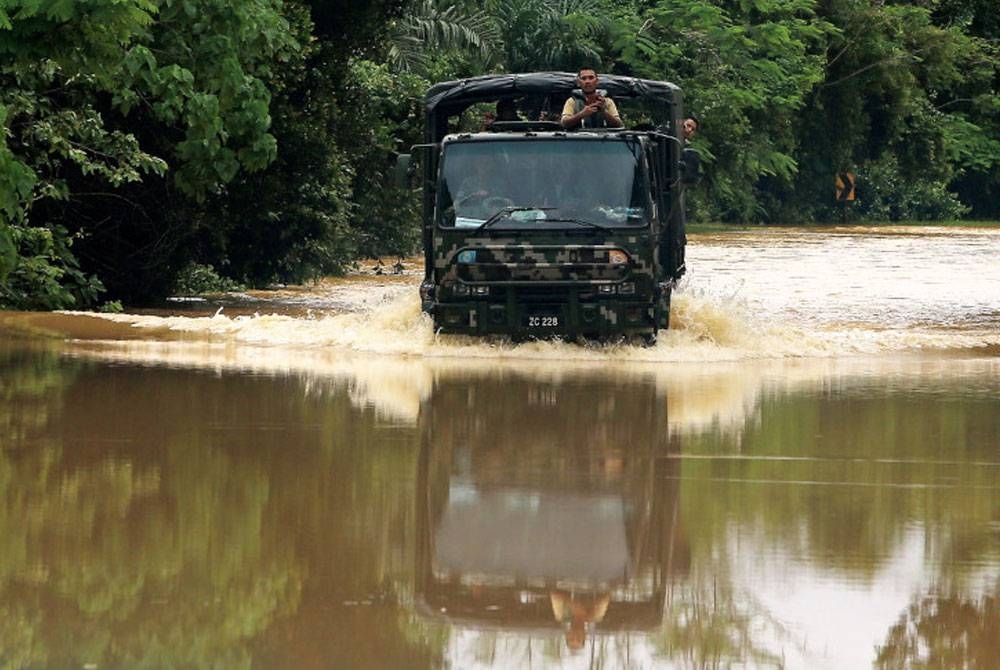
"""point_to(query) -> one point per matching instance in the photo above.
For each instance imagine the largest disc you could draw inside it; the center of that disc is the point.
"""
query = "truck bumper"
(599, 318)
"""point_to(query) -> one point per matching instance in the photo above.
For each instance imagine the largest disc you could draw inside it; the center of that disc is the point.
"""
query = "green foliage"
(539, 35)
(54, 57)
(447, 39)
(353, 29)
(42, 272)
(8, 251)
(328, 197)
(102, 99)
(746, 72)
(898, 106)
(111, 307)
(289, 222)
(971, 146)
(297, 210)
(17, 180)
(202, 68)
(382, 119)
(429, 27)
(195, 279)
(887, 195)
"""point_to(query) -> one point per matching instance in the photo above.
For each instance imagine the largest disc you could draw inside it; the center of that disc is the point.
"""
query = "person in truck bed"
(589, 107)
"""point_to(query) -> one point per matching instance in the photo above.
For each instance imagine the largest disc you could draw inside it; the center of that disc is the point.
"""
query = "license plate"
(542, 321)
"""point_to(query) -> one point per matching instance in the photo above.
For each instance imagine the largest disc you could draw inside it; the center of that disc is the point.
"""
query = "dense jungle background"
(151, 146)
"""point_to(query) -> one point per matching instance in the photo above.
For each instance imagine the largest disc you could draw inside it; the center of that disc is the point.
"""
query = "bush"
(44, 274)
(195, 279)
(885, 195)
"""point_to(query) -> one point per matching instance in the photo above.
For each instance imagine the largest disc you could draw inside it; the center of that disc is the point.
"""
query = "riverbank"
(716, 227)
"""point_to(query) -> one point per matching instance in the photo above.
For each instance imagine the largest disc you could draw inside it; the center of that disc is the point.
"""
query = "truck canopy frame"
(450, 98)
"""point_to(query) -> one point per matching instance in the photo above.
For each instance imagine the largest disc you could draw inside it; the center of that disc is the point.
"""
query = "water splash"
(704, 328)
(772, 294)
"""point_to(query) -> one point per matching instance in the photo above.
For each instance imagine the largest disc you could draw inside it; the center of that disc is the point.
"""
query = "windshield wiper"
(507, 211)
(580, 222)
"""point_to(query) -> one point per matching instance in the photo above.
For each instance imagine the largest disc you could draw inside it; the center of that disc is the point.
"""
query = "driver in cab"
(481, 191)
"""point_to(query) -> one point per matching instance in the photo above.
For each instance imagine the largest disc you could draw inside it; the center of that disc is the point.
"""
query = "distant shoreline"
(735, 227)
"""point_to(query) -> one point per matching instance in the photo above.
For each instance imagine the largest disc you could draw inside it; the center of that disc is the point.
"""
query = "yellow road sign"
(845, 186)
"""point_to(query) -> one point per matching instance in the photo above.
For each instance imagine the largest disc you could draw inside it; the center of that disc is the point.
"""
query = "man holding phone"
(589, 107)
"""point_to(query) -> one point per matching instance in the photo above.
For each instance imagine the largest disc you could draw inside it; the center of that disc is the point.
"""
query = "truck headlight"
(617, 257)
(426, 291)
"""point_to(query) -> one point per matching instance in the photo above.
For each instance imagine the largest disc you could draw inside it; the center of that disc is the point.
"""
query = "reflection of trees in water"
(30, 378)
(948, 626)
(846, 481)
(837, 477)
(158, 517)
(945, 632)
(709, 625)
(241, 513)
(117, 561)
(179, 518)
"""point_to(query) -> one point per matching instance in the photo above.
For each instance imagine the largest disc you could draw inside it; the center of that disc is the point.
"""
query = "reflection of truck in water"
(544, 525)
(533, 231)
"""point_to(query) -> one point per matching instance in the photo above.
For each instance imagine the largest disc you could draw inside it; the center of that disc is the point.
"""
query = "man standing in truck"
(589, 107)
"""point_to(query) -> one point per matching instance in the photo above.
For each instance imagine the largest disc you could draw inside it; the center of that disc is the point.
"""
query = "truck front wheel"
(662, 312)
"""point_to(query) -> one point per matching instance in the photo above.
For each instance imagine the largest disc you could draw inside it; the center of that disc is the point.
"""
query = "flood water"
(803, 473)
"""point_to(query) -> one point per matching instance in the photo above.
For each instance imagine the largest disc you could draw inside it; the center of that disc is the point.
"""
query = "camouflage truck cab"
(533, 231)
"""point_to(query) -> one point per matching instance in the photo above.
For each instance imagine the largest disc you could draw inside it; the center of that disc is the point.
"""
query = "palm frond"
(431, 26)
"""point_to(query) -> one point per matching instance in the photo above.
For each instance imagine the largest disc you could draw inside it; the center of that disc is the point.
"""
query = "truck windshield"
(544, 182)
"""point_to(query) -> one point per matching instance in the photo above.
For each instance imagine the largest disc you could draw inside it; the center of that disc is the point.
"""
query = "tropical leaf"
(433, 27)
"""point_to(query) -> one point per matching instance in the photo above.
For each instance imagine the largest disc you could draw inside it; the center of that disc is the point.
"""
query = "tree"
(429, 27)
(974, 105)
(539, 35)
(327, 198)
(746, 69)
(385, 118)
(100, 100)
(886, 111)
(55, 59)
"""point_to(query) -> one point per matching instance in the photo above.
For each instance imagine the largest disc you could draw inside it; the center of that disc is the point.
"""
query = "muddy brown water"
(803, 473)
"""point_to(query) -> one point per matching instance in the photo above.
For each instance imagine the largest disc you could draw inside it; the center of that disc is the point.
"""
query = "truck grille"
(554, 272)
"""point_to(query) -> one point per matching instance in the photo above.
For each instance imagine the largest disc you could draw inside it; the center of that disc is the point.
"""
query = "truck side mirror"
(403, 171)
(690, 167)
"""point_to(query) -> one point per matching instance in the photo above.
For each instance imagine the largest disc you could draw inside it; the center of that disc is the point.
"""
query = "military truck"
(534, 231)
